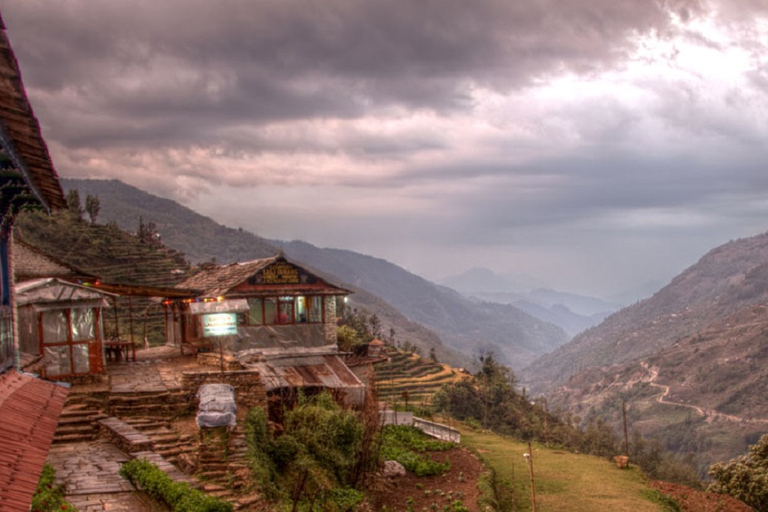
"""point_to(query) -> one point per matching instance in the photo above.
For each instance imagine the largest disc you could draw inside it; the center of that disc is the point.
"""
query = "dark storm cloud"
(174, 72)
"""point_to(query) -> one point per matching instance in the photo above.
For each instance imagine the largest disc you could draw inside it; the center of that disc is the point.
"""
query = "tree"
(745, 478)
(92, 207)
(73, 203)
(312, 462)
(375, 324)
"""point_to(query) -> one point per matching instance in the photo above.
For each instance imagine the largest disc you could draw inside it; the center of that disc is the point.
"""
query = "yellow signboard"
(281, 272)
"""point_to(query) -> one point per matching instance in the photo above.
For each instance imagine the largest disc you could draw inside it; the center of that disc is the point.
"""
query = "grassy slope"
(564, 481)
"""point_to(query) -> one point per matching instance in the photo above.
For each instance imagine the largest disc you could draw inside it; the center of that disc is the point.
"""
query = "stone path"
(90, 471)
(90, 474)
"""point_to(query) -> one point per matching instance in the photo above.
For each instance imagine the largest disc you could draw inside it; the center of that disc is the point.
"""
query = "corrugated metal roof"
(327, 371)
(29, 412)
(20, 132)
(54, 290)
(222, 280)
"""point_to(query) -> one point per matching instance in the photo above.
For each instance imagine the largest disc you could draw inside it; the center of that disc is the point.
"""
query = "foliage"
(745, 478)
(668, 504)
(348, 338)
(312, 462)
(486, 484)
(406, 445)
(48, 496)
(92, 207)
(113, 256)
(491, 400)
(74, 205)
(179, 496)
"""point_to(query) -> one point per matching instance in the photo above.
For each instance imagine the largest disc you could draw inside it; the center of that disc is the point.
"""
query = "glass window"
(270, 310)
(286, 310)
(55, 326)
(80, 358)
(57, 361)
(255, 313)
(315, 306)
(82, 324)
(301, 310)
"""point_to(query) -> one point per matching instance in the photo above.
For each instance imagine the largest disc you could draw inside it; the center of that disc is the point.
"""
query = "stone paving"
(90, 475)
(90, 471)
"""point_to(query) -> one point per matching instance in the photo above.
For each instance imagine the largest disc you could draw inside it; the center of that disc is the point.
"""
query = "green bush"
(746, 478)
(403, 444)
(179, 496)
(312, 463)
(48, 496)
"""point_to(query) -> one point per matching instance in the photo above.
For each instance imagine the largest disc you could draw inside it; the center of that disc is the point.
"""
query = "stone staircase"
(216, 460)
(166, 441)
(79, 419)
(156, 405)
(222, 467)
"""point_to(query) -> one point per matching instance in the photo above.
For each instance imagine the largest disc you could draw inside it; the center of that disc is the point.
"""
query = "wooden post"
(533, 485)
(626, 436)
(130, 327)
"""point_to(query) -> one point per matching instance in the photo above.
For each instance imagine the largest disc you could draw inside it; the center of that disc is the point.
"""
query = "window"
(270, 310)
(256, 312)
(285, 316)
(285, 310)
(66, 334)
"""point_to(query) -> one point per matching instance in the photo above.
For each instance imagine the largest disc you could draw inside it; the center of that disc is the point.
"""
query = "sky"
(593, 144)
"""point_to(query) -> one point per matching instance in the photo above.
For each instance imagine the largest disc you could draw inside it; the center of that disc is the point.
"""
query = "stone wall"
(249, 390)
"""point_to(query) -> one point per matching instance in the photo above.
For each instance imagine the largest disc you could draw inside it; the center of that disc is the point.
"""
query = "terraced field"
(419, 377)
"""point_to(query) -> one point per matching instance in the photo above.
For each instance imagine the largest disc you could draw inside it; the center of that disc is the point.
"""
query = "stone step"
(81, 418)
(72, 438)
(76, 429)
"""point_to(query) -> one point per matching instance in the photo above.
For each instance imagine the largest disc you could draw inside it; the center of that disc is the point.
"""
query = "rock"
(393, 468)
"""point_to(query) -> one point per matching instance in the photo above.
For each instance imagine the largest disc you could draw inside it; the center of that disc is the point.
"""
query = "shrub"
(179, 496)
(746, 478)
(401, 443)
(48, 496)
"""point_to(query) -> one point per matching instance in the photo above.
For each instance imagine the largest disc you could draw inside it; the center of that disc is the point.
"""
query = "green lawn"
(564, 481)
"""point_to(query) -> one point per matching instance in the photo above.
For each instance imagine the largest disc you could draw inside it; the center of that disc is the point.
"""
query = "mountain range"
(571, 312)
(433, 316)
(691, 361)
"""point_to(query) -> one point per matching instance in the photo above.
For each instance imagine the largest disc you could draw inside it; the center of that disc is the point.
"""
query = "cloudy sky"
(595, 144)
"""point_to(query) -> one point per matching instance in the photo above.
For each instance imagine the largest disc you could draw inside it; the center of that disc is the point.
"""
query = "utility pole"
(529, 457)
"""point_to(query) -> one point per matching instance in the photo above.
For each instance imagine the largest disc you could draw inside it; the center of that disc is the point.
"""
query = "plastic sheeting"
(217, 406)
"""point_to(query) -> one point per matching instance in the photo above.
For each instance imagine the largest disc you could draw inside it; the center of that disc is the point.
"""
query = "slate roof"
(219, 281)
(20, 137)
(30, 410)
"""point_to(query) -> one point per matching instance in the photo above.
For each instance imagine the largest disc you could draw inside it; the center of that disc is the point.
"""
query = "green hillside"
(410, 373)
(115, 257)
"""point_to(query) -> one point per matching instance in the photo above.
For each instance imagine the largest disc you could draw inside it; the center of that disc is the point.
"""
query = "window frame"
(293, 301)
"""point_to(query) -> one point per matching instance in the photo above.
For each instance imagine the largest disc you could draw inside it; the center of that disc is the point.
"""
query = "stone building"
(269, 315)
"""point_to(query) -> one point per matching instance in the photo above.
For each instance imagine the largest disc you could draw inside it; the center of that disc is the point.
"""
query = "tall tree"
(92, 207)
(73, 203)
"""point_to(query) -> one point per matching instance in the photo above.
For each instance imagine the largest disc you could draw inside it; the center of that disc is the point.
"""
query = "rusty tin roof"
(29, 412)
(327, 371)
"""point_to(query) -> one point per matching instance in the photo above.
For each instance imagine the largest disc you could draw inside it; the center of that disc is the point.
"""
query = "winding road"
(708, 414)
